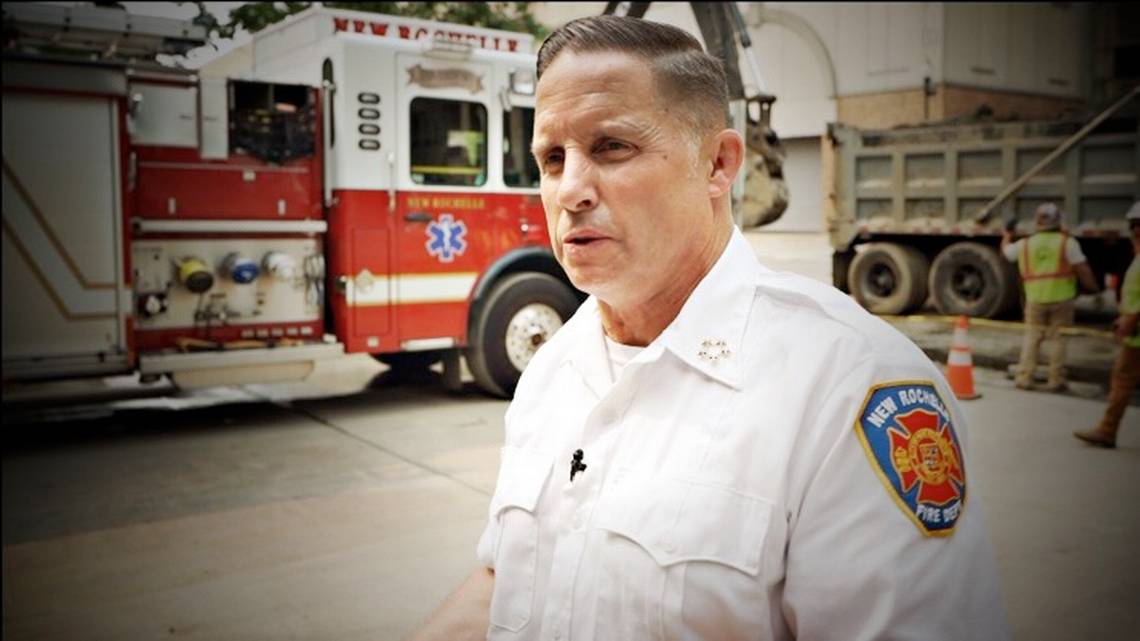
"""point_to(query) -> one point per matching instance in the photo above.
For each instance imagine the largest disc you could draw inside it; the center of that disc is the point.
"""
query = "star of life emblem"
(446, 238)
(910, 440)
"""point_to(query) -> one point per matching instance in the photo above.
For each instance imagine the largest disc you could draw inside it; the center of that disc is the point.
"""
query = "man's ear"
(727, 158)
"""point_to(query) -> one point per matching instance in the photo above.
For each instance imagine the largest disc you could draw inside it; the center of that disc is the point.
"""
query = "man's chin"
(591, 281)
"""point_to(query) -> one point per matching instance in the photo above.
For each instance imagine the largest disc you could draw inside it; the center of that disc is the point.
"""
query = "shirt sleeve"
(1012, 250)
(1073, 252)
(485, 550)
(859, 566)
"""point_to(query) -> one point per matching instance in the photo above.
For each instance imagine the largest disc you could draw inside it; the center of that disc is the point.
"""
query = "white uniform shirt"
(728, 493)
(1073, 252)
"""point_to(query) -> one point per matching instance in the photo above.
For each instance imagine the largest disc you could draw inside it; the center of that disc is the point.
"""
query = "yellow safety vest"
(1046, 272)
(1130, 298)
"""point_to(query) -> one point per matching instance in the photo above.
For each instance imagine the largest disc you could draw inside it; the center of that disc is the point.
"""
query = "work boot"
(1056, 386)
(1096, 436)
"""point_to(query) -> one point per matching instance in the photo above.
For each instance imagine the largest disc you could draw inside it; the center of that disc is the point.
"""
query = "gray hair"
(683, 73)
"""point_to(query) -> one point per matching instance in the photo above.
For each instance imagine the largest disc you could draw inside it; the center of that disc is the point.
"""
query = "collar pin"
(713, 350)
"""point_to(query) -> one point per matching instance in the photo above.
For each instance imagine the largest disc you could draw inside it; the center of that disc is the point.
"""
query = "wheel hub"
(881, 280)
(967, 283)
(528, 329)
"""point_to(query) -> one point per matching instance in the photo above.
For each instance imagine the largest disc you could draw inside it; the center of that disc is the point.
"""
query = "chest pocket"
(677, 521)
(521, 479)
(658, 529)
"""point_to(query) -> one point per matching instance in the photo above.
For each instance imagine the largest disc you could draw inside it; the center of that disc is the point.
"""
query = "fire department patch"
(907, 433)
(446, 238)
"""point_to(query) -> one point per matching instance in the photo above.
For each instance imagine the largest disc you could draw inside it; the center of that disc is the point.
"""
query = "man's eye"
(552, 158)
(612, 145)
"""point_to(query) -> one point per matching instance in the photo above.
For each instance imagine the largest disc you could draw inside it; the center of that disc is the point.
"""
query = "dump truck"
(916, 213)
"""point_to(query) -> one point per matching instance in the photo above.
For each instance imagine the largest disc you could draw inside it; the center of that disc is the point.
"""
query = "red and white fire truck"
(360, 183)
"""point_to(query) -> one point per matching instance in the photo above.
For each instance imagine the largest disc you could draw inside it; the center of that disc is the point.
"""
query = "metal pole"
(1016, 185)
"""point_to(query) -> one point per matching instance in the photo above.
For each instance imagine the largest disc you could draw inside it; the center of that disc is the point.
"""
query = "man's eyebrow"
(539, 146)
(619, 125)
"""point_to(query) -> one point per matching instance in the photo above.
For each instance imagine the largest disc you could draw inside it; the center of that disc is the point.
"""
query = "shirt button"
(669, 546)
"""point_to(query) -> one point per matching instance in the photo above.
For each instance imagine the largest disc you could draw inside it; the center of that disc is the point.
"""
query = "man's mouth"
(582, 238)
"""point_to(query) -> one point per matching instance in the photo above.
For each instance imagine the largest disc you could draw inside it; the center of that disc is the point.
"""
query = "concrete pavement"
(254, 521)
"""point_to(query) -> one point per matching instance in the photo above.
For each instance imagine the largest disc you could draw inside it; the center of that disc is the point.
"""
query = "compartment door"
(64, 302)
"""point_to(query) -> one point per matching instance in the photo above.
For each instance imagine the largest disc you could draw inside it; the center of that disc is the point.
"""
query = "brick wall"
(887, 109)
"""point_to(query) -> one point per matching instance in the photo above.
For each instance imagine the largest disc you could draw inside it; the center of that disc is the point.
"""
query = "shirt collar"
(588, 356)
(707, 333)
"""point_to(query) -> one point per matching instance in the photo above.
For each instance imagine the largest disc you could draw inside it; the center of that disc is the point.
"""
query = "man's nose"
(577, 187)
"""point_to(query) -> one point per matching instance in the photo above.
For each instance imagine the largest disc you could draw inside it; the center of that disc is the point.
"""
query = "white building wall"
(1035, 48)
(798, 77)
(876, 46)
(803, 174)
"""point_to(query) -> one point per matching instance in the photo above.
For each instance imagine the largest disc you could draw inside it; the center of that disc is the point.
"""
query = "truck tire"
(888, 279)
(519, 314)
(841, 270)
(972, 279)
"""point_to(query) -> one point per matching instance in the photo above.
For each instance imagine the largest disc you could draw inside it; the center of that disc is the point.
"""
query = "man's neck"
(640, 323)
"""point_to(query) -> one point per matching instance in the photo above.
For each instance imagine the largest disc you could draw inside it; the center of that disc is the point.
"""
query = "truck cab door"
(443, 233)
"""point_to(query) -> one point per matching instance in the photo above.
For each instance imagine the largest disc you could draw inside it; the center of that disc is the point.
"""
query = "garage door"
(802, 172)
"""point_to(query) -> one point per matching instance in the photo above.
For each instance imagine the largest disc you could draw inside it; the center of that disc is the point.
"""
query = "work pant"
(1125, 374)
(1044, 321)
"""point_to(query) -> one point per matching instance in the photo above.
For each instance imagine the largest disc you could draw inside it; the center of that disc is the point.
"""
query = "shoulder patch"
(909, 438)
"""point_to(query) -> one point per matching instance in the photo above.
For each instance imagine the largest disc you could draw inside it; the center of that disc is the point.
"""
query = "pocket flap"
(677, 520)
(522, 476)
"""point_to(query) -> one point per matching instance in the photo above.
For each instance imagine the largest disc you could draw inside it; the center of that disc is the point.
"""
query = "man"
(708, 449)
(1126, 371)
(1050, 261)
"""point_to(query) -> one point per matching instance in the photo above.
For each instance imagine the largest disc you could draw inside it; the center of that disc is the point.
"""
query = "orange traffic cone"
(960, 363)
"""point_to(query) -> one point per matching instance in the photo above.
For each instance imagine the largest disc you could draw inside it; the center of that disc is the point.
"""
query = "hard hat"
(1133, 213)
(1048, 216)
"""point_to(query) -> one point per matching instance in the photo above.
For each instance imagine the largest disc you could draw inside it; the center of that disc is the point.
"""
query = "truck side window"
(519, 167)
(448, 142)
(271, 122)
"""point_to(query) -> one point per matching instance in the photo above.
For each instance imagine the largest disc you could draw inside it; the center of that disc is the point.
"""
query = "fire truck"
(355, 183)
(363, 184)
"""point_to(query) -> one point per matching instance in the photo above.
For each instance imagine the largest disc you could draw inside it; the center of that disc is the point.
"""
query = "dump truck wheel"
(972, 279)
(888, 279)
(520, 314)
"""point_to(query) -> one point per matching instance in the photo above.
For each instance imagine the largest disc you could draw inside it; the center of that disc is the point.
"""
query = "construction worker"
(1126, 371)
(1050, 262)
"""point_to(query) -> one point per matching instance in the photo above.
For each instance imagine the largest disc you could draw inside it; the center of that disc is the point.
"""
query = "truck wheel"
(841, 269)
(972, 279)
(520, 314)
(888, 279)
